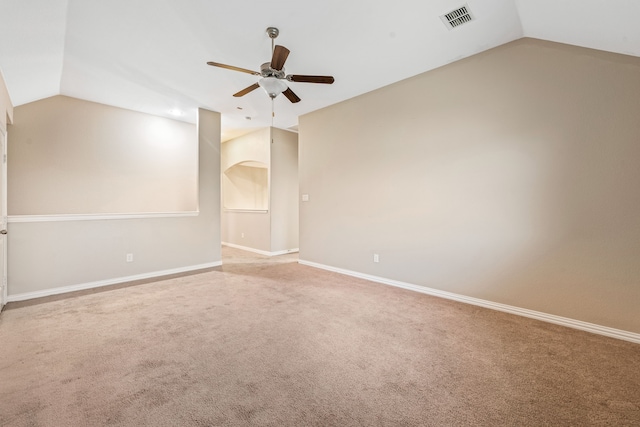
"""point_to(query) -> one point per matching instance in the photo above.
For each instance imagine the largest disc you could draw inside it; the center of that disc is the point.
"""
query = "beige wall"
(247, 229)
(511, 176)
(284, 190)
(53, 255)
(71, 156)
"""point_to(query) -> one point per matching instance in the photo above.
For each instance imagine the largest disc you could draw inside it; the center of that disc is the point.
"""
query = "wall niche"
(260, 191)
(246, 186)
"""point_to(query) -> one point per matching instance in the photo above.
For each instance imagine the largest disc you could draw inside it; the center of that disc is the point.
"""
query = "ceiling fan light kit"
(273, 74)
(272, 86)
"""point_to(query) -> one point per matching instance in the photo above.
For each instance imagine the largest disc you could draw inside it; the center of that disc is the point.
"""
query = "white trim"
(259, 251)
(3, 219)
(545, 317)
(100, 283)
(97, 217)
(286, 251)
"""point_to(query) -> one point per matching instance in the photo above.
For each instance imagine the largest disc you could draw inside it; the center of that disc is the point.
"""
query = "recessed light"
(176, 112)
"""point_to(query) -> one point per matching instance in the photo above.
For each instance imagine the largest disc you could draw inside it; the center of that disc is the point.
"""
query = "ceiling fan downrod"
(273, 32)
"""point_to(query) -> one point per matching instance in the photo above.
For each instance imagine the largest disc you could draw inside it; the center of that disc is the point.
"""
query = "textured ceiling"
(150, 55)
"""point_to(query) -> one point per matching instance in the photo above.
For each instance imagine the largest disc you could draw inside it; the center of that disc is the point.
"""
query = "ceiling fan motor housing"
(267, 71)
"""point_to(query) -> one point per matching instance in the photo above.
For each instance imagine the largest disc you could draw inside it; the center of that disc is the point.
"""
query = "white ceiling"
(150, 55)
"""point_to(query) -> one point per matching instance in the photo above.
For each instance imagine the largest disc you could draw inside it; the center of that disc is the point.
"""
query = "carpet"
(269, 342)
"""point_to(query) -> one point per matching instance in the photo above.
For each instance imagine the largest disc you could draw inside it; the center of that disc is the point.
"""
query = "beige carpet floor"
(266, 341)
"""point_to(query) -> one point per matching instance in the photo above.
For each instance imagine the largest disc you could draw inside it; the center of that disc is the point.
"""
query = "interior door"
(3, 219)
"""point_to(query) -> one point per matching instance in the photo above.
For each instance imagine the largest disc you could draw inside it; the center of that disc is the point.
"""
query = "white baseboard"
(259, 251)
(100, 283)
(545, 317)
(97, 217)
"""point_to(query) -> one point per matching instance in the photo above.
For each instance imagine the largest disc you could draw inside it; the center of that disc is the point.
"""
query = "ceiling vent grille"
(457, 17)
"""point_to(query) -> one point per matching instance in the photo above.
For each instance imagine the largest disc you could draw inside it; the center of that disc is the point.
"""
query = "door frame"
(3, 217)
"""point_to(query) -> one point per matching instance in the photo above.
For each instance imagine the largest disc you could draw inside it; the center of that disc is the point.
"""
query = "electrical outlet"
(129, 257)
(242, 235)
(376, 258)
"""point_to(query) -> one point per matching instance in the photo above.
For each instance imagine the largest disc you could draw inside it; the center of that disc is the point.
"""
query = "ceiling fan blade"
(291, 96)
(280, 54)
(231, 67)
(246, 90)
(310, 79)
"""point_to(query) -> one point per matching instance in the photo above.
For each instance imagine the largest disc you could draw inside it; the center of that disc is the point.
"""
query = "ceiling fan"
(273, 74)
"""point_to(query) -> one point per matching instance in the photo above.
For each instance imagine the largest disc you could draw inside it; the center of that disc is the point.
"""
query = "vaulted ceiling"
(150, 55)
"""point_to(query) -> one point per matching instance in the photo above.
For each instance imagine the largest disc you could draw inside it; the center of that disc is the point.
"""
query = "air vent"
(457, 17)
